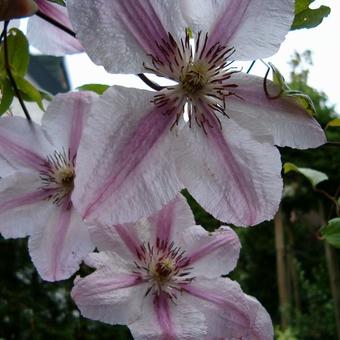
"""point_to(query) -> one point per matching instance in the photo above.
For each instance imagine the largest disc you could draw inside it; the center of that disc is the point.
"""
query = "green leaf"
(331, 232)
(98, 88)
(306, 17)
(18, 53)
(301, 5)
(299, 97)
(29, 92)
(6, 95)
(45, 95)
(59, 2)
(335, 122)
(314, 176)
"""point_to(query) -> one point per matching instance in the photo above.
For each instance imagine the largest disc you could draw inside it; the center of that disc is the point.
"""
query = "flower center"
(164, 267)
(58, 176)
(202, 72)
(194, 79)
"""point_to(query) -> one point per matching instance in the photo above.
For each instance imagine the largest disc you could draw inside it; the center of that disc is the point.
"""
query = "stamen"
(164, 266)
(57, 176)
(202, 73)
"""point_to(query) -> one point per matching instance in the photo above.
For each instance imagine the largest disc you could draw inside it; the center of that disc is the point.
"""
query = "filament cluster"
(164, 266)
(202, 74)
(57, 176)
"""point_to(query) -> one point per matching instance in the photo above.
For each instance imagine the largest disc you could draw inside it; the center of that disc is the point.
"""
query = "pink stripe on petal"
(28, 157)
(143, 22)
(54, 11)
(218, 300)
(229, 21)
(105, 285)
(162, 310)
(210, 247)
(129, 238)
(148, 133)
(163, 221)
(27, 198)
(61, 230)
(77, 126)
(225, 154)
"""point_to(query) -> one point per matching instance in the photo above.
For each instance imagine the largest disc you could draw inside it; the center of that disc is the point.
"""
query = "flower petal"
(126, 239)
(5, 167)
(58, 247)
(211, 254)
(126, 30)
(282, 119)
(23, 144)
(163, 319)
(23, 206)
(49, 39)
(122, 239)
(124, 165)
(261, 323)
(242, 24)
(109, 296)
(230, 313)
(111, 260)
(172, 220)
(232, 176)
(65, 117)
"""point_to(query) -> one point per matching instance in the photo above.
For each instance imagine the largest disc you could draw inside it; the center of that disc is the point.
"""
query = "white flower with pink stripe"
(138, 151)
(162, 277)
(37, 166)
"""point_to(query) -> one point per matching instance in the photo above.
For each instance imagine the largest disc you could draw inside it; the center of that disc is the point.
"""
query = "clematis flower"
(49, 39)
(38, 173)
(162, 277)
(138, 153)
